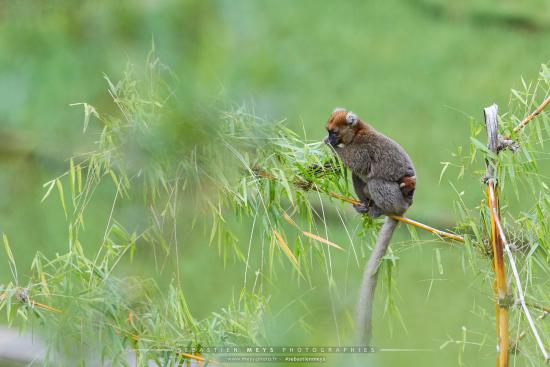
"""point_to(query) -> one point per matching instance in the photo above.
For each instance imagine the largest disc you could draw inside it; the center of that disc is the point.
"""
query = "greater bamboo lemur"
(384, 179)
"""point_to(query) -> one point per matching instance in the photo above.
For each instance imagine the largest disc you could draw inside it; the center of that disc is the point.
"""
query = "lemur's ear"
(338, 109)
(351, 118)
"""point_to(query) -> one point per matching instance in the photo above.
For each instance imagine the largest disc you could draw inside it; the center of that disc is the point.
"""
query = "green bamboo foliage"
(525, 204)
(232, 169)
(150, 150)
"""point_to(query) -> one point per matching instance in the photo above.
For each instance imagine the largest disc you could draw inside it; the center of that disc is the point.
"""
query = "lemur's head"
(342, 127)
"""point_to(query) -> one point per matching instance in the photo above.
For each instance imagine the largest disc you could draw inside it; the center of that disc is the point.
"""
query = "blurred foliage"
(149, 168)
(261, 170)
(419, 71)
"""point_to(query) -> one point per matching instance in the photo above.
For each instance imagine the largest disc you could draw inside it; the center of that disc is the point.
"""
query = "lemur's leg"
(367, 205)
(387, 196)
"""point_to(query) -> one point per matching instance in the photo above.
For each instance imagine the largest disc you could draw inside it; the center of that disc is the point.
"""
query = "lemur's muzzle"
(332, 139)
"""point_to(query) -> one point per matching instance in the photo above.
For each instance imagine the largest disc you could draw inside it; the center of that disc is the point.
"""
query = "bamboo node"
(506, 302)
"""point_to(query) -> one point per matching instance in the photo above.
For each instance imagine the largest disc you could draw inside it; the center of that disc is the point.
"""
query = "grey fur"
(378, 165)
(370, 278)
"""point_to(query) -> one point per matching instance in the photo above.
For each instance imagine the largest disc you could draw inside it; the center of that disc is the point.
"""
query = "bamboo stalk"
(499, 287)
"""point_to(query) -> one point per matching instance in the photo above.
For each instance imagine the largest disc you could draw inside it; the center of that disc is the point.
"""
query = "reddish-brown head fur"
(342, 127)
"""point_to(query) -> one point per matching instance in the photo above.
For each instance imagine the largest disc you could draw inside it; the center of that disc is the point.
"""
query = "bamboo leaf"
(61, 196)
(438, 259)
(284, 246)
(482, 147)
(89, 111)
(11, 259)
(445, 166)
(72, 176)
(50, 185)
(79, 177)
(322, 240)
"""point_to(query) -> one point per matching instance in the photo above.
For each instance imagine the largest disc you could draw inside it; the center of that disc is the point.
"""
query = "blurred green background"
(415, 69)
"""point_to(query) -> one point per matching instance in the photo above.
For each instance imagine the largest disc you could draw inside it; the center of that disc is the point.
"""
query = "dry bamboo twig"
(352, 201)
(405, 220)
(22, 296)
(542, 308)
(531, 116)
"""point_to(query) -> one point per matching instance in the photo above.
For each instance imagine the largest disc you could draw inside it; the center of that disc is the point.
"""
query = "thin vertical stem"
(500, 287)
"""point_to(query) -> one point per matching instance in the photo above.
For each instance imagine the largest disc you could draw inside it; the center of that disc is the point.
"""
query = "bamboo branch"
(405, 220)
(22, 296)
(500, 287)
(531, 116)
(542, 308)
(353, 201)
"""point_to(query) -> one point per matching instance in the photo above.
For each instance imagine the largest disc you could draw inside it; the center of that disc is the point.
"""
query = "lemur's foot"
(374, 211)
(361, 208)
(368, 208)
